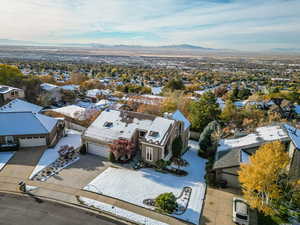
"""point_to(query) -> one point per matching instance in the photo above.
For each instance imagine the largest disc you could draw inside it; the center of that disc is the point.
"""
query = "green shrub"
(166, 202)
(111, 157)
(161, 164)
(177, 147)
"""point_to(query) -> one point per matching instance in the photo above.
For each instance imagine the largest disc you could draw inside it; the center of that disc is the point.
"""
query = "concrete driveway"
(218, 207)
(80, 173)
(23, 162)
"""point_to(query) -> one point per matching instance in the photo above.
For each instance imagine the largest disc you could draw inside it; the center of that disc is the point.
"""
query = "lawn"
(135, 186)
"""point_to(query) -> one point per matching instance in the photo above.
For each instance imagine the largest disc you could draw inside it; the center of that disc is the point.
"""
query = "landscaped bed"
(136, 186)
(73, 139)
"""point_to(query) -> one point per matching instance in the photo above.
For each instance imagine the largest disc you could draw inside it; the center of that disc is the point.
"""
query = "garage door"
(32, 142)
(101, 150)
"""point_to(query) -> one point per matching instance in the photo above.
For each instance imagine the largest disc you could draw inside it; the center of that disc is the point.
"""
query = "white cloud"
(172, 21)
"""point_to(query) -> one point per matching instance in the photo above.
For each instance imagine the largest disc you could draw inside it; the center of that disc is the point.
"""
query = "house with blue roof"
(28, 129)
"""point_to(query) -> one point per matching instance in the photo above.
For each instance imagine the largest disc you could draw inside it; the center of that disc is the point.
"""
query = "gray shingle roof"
(228, 158)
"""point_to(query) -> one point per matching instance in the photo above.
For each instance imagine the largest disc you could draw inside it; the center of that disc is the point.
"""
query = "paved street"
(21, 210)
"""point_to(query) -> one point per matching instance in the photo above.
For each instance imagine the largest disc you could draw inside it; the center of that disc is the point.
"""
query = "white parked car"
(240, 211)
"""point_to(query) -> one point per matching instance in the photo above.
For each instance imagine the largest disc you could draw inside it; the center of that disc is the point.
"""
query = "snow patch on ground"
(5, 157)
(73, 138)
(120, 212)
(135, 186)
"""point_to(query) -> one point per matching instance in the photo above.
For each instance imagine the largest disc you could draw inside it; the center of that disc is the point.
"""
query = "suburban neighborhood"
(121, 154)
(161, 112)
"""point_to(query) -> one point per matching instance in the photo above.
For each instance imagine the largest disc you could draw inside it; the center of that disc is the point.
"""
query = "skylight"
(108, 124)
(153, 134)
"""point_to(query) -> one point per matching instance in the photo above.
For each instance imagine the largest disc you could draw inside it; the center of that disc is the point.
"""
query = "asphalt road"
(22, 210)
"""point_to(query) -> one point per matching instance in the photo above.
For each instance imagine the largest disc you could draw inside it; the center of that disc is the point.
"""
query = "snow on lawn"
(4, 157)
(73, 138)
(135, 186)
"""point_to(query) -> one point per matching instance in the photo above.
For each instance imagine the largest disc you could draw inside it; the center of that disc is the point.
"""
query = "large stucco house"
(152, 135)
(232, 152)
(8, 93)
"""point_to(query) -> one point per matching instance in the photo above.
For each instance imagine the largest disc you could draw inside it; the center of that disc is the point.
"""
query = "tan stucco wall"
(157, 153)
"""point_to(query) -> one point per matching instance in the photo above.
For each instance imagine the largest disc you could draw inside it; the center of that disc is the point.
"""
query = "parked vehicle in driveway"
(240, 211)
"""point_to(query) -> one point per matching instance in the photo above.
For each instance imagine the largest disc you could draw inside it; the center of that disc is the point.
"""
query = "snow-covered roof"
(5, 89)
(48, 87)
(70, 87)
(262, 134)
(157, 132)
(221, 103)
(114, 124)
(156, 90)
(94, 92)
(180, 117)
(18, 105)
(73, 111)
(294, 135)
(25, 123)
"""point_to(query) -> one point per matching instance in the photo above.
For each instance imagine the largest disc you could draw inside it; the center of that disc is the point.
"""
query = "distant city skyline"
(230, 24)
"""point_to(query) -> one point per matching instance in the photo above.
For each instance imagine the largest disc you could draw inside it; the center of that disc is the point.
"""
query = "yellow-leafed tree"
(261, 176)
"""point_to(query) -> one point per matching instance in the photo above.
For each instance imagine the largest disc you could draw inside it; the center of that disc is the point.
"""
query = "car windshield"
(242, 217)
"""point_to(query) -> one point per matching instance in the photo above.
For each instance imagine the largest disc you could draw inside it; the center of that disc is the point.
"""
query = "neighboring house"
(94, 93)
(232, 152)
(28, 129)
(72, 111)
(54, 91)
(8, 93)
(70, 87)
(18, 105)
(294, 151)
(153, 136)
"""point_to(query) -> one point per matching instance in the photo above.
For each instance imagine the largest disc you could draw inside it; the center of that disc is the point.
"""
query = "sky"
(230, 24)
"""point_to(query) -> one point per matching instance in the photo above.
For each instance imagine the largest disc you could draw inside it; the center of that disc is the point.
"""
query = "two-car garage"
(32, 141)
(97, 149)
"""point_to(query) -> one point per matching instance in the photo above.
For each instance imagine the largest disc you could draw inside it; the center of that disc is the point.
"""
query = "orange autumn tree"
(261, 176)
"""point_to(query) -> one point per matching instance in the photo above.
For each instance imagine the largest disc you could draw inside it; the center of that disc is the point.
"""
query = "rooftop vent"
(108, 124)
